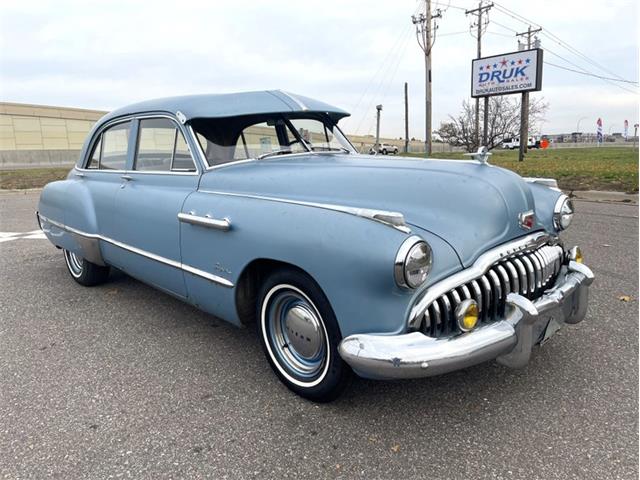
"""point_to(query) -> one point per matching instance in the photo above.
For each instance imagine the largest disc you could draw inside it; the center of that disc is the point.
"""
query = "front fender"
(350, 257)
(545, 199)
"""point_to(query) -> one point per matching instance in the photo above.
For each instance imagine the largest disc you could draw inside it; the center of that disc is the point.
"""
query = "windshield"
(225, 140)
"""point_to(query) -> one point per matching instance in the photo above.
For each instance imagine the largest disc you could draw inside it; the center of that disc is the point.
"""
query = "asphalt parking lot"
(122, 381)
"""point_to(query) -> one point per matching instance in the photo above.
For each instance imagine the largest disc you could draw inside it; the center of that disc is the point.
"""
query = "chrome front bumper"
(509, 341)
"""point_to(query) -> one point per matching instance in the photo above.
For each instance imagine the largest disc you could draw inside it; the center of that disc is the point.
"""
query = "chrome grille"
(527, 273)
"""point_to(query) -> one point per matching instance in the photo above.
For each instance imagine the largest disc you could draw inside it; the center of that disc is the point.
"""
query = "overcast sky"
(353, 54)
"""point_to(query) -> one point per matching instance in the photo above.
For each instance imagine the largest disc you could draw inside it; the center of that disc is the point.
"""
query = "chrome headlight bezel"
(563, 213)
(411, 250)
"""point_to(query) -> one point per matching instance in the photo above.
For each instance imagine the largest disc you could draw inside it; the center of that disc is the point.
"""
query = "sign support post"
(524, 125)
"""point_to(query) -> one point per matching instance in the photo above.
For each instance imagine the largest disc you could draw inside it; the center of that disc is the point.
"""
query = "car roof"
(230, 105)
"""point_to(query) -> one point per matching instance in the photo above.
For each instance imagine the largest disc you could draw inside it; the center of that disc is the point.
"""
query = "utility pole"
(425, 33)
(524, 104)
(481, 27)
(406, 117)
(378, 110)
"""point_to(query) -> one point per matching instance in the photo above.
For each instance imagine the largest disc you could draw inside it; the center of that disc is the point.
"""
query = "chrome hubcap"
(297, 336)
(74, 262)
(302, 331)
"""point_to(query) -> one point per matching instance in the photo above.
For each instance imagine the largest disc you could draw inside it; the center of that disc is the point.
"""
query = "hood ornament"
(482, 155)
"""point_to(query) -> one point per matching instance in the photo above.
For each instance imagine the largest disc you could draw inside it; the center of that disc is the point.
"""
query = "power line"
(447, 6)
(590, 74)
(382, 65)
(397, 50)
(504, 26)
(586, 72)
(556, 39)
(447, 34)
(393, 70)
(499, 34)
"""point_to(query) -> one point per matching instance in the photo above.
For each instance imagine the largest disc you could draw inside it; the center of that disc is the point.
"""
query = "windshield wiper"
(330, 149)
(282, 151)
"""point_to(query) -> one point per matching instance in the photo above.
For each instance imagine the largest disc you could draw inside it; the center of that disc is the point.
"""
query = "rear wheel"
(300, 336)
(83, 271)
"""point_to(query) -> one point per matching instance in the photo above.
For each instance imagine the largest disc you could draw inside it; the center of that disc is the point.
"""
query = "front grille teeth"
(529, 274)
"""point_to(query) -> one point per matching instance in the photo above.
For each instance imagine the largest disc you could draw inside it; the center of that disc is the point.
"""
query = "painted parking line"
(32, 235)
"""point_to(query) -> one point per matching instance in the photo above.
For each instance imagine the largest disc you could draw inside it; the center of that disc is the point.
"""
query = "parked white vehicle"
(384, 148)
(514, 142)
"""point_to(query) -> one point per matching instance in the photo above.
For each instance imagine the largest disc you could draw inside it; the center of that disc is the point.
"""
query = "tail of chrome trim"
(392, 219)
(167, 261)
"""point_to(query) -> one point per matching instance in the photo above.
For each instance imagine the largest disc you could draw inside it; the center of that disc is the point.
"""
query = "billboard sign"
(508, 73)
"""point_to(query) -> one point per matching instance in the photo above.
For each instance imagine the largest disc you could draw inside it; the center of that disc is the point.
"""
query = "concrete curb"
(19, 191)
(605, 197)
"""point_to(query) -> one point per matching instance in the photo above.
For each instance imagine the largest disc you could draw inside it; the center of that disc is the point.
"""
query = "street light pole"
(578, 125)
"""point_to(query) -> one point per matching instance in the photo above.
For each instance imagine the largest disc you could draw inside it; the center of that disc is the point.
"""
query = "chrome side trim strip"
(479, 268)
(207, 221)
(302, 106)
(392, 219)
(167, 261)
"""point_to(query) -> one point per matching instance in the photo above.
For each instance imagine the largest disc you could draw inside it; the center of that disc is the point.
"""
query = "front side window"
(115, 144)
(320, 136)
(161, 147)
(266, 138)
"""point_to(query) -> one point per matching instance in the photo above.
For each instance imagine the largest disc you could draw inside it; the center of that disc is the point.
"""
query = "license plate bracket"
(552, 327)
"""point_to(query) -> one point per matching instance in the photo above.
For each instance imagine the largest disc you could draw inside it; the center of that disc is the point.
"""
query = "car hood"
(471, 206)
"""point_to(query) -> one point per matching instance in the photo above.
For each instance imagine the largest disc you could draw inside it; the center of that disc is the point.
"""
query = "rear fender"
(67, 217)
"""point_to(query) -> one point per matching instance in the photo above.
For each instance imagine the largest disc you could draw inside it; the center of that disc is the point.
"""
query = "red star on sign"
(520, 62)
(503, 62)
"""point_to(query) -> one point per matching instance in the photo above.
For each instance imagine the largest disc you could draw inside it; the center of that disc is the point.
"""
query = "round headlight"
(563, 213)
(413, 263)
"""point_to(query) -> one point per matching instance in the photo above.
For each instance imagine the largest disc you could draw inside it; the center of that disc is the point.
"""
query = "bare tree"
(504, 121)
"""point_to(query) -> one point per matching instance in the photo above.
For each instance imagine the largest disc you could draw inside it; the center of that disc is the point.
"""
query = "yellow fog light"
(575, 254)
(467, 315)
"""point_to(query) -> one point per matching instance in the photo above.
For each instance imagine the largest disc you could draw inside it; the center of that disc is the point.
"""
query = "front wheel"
(83, 271)
(300, 335)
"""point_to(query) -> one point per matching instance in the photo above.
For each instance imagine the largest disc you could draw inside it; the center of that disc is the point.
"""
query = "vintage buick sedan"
(256, 208)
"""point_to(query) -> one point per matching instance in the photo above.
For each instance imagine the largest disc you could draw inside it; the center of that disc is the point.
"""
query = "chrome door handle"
(128, 178)
(223, 224)
(79, 174)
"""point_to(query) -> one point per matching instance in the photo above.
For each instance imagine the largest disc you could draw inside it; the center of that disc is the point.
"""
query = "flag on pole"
(626, 129)
(599, 131)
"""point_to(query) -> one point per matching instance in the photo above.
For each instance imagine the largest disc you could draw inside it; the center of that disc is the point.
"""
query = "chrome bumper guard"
(509, 341)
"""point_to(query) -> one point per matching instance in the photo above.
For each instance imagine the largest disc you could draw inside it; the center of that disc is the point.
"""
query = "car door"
(161, 175)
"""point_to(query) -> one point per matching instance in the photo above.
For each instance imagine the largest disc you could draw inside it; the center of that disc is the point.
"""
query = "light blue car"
(256, 208)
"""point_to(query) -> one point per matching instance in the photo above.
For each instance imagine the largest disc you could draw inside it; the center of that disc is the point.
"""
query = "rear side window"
(115, 143)
(162, 147)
